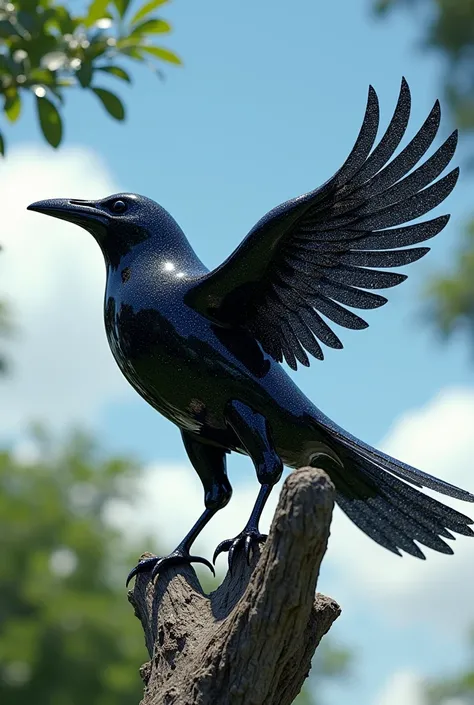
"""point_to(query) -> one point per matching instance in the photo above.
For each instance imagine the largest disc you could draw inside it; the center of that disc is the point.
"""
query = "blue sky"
(266, 107)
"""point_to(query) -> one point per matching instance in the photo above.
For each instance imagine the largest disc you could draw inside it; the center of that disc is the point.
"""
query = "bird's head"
(118, 223)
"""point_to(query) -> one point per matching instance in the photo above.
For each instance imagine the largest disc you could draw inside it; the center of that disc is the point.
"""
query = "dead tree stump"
(251, 641)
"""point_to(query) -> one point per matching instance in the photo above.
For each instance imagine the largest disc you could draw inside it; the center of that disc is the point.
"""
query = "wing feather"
(327, 250)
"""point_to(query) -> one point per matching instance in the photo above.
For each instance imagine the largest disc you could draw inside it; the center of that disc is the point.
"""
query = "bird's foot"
(158, 565)
(247, 539)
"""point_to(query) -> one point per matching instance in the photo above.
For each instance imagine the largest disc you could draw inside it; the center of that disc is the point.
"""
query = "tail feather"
(360, 498)
(372, 489)
(371, 528)
(383, 478)
(426, 527)
(396, 467)
(388, 519)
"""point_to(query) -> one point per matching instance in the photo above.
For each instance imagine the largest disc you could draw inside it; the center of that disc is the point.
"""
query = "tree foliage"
(331, 662)
(451, 295)
(67, 633)
(46, 49)
(4, 330)
(447, 28)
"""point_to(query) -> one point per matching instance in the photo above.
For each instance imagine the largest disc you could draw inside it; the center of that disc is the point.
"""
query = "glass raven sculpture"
(204, 348)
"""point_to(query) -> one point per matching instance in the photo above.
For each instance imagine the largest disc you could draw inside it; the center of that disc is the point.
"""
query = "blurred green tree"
(330, 662)
(5, 327)
(447, 29)
(46, 49)
(67, 633)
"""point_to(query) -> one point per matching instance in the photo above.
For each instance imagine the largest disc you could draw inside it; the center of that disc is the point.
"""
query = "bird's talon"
(142, 566)
(204, 561)
(176, 557)
(230, 557)
(157, 565)
(246, 540)
(223, 546)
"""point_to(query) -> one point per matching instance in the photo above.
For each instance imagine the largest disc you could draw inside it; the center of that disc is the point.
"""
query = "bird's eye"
(118, 207)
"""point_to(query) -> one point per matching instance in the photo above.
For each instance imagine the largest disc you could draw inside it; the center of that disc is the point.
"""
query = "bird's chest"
(152, 337)
(141, 326)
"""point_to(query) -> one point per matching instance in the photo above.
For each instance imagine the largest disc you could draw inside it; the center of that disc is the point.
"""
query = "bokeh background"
(266, 105)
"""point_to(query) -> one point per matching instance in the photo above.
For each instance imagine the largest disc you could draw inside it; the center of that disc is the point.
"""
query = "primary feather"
(317, 254)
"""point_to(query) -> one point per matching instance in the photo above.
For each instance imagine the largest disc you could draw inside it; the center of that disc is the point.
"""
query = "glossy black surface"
(204, 349)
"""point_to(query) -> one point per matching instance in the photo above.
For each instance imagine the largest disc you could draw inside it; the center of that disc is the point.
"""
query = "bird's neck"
(167, 252)
(167, 260)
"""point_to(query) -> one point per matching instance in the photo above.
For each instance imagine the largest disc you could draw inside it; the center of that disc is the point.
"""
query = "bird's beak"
(84, 213)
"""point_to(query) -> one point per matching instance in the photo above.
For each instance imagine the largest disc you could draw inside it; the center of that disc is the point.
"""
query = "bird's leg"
(210, 464)
(250, 533)
(252, 430)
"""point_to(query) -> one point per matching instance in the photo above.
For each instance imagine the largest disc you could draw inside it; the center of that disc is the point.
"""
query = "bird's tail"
(372, 489)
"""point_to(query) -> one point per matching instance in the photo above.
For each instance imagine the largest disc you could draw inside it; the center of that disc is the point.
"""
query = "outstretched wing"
(317, 254)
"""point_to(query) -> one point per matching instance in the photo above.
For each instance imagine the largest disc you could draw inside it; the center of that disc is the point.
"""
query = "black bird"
(204, 348)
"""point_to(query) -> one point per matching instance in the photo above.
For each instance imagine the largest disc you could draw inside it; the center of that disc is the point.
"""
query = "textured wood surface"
(251, 641)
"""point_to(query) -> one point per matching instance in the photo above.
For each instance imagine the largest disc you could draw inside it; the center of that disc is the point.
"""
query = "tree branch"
(251, 641)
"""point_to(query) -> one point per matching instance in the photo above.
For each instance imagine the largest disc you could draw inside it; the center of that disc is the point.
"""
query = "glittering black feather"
(322, 251)
(393, 513)
(358, 452)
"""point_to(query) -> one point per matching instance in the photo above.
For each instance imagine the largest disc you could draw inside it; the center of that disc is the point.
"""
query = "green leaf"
(122, 6)
(133, 51)
(97, 47)
(50, 121)
(151, 27)
(12, 107)
(27, 5)
(63, 20)
(111, 103)
(43, 76)
(163, 54)
(146, 9)
(2, 145)
(96, 11)
(27, 20)
(115, 71)
(85, 73)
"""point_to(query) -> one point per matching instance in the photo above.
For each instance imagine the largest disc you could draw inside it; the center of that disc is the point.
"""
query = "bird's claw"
(142, 566)
(246, 539)
(157, 565)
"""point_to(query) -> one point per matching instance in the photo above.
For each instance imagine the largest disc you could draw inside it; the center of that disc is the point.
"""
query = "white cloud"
(402, 688)
(53, 274)
(437, 438)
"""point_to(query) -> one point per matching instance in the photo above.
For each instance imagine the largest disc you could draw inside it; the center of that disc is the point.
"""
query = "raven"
(204, 348)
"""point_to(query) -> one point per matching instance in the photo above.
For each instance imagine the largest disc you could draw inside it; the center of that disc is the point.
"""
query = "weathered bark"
(251, 641)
